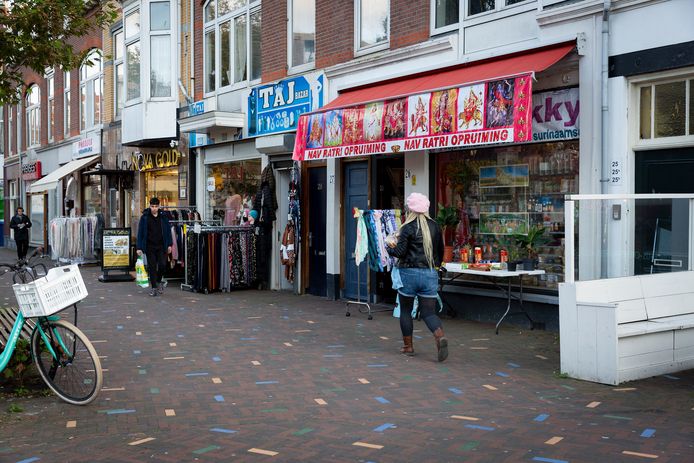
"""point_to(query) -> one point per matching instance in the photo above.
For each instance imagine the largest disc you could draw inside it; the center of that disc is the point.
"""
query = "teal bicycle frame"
(6, 354)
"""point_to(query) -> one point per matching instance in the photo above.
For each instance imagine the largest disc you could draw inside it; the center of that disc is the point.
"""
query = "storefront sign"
(197, 108)
(555, 115)
(276, 107)
(116, 249)
(88, 146)
(479, 114)
(31, 171)
(197, 139)
(159, 160)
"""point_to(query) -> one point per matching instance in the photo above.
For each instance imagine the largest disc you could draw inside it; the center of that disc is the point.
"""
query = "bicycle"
(29, 268)
(65, 358)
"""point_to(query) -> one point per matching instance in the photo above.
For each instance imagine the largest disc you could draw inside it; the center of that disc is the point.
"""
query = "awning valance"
(471, 104)
(51, 180)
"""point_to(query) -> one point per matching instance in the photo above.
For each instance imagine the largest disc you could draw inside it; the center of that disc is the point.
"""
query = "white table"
(493, 276)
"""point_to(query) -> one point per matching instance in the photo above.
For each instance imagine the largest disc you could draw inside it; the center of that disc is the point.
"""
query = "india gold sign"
(158, 160)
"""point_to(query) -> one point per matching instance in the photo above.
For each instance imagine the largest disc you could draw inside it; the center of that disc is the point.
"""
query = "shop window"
(118, 53)
(162, 184)
(302, 32)
(665, 110)
(504, 192)
(231, 42)
(91, 195)
(50, 88)
(231, 188)
(132, 54)
(37, 215)
(66, 103)
(373, 24)
(445, 15)
(91, 81)
(33, 116)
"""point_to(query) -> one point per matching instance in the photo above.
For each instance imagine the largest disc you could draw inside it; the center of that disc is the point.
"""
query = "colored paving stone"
(501, 403)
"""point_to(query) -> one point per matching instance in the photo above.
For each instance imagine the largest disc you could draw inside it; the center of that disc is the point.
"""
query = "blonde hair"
(421, 220)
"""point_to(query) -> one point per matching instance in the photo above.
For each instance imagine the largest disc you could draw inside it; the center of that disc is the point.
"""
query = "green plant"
(529, 243)
(19, 363)
(14, 408)
(447, 216)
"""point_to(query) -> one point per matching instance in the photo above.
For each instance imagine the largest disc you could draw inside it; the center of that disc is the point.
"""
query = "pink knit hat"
(417, 202)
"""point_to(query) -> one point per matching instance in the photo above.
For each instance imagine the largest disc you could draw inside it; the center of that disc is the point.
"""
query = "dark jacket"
(410, 248)
(20, 234)
(142, 230)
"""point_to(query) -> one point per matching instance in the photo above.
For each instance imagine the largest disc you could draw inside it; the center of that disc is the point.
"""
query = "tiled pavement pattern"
(260, 376)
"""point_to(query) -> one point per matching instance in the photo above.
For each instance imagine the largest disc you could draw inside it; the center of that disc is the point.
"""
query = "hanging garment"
(361, 248)
(287, 254)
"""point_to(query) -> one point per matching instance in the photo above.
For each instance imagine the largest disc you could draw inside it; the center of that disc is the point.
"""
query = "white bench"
(623, 329)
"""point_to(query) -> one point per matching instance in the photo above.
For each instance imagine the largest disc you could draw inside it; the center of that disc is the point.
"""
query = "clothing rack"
(185, 244)
(358, 214)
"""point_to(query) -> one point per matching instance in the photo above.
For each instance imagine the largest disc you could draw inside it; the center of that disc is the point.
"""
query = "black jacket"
(142, 231)
(20, 234)
(410, 248)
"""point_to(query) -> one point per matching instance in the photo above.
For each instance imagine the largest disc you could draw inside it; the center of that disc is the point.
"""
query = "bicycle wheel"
(75, 375)
(39, 270)
(22, 276)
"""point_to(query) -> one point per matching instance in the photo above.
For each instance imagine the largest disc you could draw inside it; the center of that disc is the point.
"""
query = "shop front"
(493, 144)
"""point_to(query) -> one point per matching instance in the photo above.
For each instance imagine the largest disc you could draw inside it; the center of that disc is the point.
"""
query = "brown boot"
(408, 348)
(441, 344)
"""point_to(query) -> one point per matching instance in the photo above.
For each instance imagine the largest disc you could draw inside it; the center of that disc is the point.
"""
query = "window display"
(506, 195)
(91, 194)
(162, 184)
(231, 188)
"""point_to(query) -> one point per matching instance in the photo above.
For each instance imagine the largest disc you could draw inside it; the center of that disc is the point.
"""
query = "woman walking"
(419, 249)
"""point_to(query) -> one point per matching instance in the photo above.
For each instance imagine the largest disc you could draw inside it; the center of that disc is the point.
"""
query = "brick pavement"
(261, 376)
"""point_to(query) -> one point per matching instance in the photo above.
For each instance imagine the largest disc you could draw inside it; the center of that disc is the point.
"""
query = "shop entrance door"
(662, 237)
(356, 194)
(316, 231)
(281, 282)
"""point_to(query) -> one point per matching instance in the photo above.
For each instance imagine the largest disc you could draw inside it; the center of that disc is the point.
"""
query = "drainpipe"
(604, 180)
(191, 31)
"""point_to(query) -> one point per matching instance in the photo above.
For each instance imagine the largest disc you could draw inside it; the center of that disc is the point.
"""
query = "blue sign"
(196, 108)
(276, 107)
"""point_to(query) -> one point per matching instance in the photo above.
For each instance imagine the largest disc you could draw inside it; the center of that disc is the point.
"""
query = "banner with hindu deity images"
(497, 111)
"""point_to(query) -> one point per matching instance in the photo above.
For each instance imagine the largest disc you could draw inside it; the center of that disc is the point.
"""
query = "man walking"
(154, 240)
(21, 224)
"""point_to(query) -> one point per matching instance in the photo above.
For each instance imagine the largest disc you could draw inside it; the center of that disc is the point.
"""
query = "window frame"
(88, 84)
(638, 143)
(309, 66)
(50, 109)
(118, 61)
(33, 115)
(358, 49)
(251, 7)
(67, 101)
(10, 130)
(158, 33)
(2, 131)
(451, 27)
(128, 41)
(499, 6)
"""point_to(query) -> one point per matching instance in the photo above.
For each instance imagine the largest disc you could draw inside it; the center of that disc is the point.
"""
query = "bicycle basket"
(59, 289)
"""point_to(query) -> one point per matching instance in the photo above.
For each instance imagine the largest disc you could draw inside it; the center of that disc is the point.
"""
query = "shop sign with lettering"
(31, 171)
(555, 115)
(276, 107)
(88, 146)
(159, 160)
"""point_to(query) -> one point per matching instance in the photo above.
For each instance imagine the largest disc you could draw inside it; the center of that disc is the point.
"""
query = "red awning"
(508, 65)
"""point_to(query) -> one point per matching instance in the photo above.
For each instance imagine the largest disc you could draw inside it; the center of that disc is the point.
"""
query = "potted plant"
(513, 258)
(447, 217)
(529, 243)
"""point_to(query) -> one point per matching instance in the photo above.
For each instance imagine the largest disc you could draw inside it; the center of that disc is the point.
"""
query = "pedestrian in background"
(419, 250)
(154, 240)
(21, 224)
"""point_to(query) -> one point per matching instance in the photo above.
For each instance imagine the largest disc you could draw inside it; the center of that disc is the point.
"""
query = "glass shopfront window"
(162, 184)
(91, 194)
(501, 194)
(231, 188)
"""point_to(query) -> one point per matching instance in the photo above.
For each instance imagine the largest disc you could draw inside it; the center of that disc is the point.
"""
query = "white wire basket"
(59, 289)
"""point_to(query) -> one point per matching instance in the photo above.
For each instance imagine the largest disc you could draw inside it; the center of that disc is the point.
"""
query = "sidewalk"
(267, 376)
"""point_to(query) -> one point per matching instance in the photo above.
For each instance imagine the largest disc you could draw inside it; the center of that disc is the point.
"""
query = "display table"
(494, 276)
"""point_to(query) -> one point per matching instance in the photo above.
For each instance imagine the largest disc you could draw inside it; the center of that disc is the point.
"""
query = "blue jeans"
(422, 282)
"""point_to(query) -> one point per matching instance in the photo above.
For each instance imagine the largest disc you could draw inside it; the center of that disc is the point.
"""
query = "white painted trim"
(358, 49)
(579, 10)
(290, 43)
(432, 21)
(500, 11)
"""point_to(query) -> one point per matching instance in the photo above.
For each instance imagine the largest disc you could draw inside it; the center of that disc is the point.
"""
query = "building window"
(10, 130)
(444, 15)
(373, 23)
(2, 131)
(302, 32)
(66, 103)
(228, 57)
(666, 109)
(118, 51)
(483, 6)
(91, 81)
(50, 88)
(33, 116)
(160, 49)
(132, 54)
